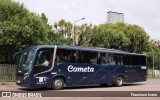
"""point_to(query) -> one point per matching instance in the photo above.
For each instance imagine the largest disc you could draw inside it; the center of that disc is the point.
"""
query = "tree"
(68, 29)
(138, 38)
(63, 30)
(44, 18)
(86, 34)
(121, 36)
(61, 25)
(154, 53)
(20, 29)
(110, 36)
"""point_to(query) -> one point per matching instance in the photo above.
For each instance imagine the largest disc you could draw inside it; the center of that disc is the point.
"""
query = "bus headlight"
(25, 77)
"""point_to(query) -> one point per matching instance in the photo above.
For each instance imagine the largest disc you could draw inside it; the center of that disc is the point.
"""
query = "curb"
(7, 83)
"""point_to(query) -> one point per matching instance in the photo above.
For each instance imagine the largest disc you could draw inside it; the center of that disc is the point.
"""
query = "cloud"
(141, 12)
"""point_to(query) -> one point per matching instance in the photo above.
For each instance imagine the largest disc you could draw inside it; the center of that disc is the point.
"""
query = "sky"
(140, 12)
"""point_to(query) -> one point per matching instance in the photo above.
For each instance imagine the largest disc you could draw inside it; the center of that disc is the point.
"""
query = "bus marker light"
(54, 73)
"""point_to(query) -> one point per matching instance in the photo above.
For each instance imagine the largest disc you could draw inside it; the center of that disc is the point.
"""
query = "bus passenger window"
(87, 57)
(111, 60)
(61, 58)
(135, 60)
(118, 59)
(93, 57)
(66, 56)
(142, 60)
(103, 59)
(72, 56)
(127, 60)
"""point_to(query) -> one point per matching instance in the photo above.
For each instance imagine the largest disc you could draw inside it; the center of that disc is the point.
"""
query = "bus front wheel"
(57, 83)
(119, 81)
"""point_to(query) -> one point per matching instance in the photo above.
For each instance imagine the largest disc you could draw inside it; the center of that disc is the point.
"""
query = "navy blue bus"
(58, 66)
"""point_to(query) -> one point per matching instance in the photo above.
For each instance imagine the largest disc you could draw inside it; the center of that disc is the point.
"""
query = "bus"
(58, 66)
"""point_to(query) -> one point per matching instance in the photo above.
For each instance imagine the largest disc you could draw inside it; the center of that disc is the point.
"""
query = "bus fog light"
(18, 81)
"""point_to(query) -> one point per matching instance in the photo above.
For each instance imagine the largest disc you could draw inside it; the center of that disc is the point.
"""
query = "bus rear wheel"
(57, 84)
(119, 81)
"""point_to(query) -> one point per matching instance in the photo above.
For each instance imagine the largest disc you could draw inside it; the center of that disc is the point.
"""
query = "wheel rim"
(58, 83)
(119, 81)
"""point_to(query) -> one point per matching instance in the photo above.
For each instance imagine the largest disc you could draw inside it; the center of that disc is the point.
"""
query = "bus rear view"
(58, 66)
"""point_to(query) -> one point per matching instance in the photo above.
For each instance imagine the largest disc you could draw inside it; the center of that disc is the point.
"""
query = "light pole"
(74, 27)
(153, 63)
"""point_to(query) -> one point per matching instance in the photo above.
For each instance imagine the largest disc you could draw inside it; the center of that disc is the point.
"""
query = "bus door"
(43, 63)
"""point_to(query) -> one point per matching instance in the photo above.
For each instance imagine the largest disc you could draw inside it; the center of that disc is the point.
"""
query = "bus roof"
(87, 49)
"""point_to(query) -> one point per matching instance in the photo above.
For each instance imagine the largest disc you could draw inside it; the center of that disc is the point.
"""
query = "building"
(114, 17)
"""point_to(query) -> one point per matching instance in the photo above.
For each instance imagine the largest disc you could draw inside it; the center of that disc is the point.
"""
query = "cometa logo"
(80, 69)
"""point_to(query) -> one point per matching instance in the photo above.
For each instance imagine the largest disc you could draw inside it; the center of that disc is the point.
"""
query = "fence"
(153, 74)
(7, 72)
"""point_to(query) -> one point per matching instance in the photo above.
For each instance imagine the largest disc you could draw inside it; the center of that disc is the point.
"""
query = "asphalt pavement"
(149, 86)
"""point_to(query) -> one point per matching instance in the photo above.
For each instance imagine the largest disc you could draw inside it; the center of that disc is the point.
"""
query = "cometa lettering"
(80, 69)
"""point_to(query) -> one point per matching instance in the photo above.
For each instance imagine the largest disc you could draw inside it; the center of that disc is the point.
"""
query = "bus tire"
(58, 83)
(119, 81)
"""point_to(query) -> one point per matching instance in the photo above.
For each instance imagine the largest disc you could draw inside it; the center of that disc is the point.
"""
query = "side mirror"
(15, 56)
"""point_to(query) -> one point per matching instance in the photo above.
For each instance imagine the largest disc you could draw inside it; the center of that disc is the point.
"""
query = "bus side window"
(142, 60)
(110, 59)
(103, 59)
(135, 60)
(61, 57)
(72, 56)
(118, 59)
(88, 57)
(93, 57)
(83, 57)
(66, 56)
(127, 60)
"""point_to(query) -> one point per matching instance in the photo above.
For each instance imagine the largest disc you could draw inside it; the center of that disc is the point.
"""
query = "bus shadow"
(87, 87)
(34, 89)
(104, 86)
(81, 87)
(133, 84)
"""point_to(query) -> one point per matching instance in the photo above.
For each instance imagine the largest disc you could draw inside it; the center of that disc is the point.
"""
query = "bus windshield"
(26, 60)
